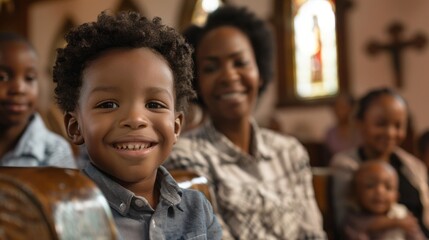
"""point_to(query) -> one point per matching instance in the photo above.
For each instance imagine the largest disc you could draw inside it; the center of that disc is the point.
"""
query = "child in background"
(423, 147)
(24, 139)
(374, 194)
(381, 119)
(342, 136)
(124, 82)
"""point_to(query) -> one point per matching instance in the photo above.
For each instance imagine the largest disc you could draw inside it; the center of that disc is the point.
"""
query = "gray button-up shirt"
(39, 147)
(180, 213)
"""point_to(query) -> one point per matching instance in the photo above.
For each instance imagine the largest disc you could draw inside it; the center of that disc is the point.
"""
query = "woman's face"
(228, 75)
(383, 126)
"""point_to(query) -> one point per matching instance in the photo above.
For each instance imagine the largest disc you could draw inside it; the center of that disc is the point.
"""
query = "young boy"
(24, 139)
(375, 213)
(124, 82)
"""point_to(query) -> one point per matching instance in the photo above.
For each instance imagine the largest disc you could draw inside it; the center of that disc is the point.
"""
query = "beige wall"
(366, 20)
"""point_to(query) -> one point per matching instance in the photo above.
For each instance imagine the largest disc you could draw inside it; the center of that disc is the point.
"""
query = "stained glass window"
(315, 57)
(312, 57)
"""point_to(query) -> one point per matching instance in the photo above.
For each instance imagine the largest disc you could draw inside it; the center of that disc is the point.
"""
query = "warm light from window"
(316, 69)
(210, 5)
(202, 9)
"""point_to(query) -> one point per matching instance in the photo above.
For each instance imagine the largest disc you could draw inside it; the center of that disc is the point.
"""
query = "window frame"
(283, 25)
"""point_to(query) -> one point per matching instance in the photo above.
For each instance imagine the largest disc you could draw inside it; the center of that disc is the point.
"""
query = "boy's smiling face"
(126, 113)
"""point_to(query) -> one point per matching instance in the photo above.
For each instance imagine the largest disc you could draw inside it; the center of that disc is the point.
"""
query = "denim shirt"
(180, 213)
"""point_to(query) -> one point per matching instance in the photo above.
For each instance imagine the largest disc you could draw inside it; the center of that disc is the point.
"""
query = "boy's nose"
(135, 119)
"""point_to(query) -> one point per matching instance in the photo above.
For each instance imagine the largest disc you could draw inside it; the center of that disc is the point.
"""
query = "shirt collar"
(29, 142)
(260, 150)
(120, 198)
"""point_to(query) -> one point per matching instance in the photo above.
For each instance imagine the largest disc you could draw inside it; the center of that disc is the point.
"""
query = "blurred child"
(124, 82)
(342, 136)
(24, 138)
(376, 214)
(423, 148)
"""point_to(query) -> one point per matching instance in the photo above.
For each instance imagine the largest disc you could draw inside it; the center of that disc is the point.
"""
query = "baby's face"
(126, 113)
(18, 83)
(376, 188)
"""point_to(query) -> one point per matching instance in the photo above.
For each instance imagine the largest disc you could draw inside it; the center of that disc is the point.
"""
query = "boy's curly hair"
(259, 33)
(126, 30)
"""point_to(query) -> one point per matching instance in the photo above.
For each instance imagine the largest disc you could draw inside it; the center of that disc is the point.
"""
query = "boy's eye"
(154, 105)
(108, 105)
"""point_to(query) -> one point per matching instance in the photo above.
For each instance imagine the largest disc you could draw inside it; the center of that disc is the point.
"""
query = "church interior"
(374, 44)
(362, 22)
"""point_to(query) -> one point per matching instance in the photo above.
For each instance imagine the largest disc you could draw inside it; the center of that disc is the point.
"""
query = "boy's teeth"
(131, 146)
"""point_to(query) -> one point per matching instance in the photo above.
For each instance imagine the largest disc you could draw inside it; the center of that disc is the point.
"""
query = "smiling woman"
(262, 180)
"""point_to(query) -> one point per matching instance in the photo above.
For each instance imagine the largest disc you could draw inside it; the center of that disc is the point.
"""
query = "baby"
(375, 213)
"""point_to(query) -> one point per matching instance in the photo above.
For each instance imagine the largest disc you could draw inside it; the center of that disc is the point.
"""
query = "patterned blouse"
(265, 195)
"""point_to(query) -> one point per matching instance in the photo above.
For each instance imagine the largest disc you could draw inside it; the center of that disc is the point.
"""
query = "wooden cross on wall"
(395, 48)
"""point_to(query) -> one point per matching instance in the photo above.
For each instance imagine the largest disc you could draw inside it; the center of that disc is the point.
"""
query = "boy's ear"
(73, 129)
(178, 123)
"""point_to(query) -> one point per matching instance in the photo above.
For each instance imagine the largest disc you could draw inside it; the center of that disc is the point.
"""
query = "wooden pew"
(52, 203)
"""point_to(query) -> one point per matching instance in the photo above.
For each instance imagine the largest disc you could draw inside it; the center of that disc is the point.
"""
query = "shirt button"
(139, 203)
(122, 206)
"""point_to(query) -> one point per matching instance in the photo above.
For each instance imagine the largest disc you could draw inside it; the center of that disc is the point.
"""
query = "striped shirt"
(265, 195)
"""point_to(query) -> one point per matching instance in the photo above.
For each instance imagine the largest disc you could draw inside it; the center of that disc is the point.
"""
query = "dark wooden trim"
(188, 7)
(16, 21)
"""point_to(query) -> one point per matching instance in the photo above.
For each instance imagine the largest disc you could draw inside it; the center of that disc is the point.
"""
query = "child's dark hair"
(423, 143)
(257, 30)
(14, 37)
(125, 30)
(366, 101)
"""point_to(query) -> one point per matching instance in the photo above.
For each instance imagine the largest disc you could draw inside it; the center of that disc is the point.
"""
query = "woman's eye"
(209, 68)
(240, 63)
(154, 105)
(108, 105)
